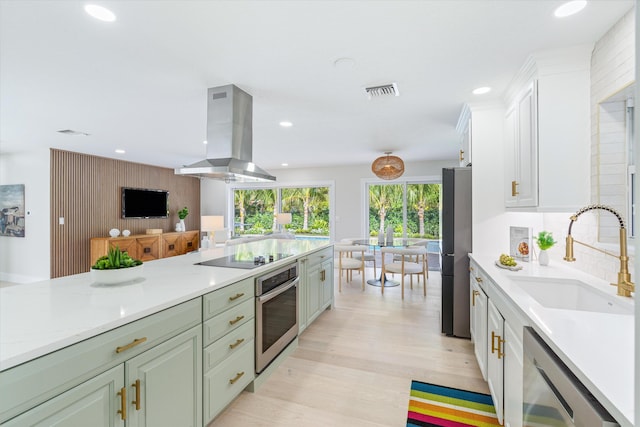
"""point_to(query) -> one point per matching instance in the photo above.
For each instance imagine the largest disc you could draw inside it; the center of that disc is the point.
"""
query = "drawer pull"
(123, 403)
(136, 402)
(236, 296)
(237, 343)
(236, 378)
(479, 279)
(323, 275)
(132, 344)
(236, 320)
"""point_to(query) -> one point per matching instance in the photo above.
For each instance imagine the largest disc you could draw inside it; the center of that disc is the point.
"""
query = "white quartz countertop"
(38, 318)
(597, 347)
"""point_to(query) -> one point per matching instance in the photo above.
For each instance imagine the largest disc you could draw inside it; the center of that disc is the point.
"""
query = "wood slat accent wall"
(86, 191)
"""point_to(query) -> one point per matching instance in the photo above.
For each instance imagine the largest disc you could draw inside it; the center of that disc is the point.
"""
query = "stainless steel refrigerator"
(456, 245)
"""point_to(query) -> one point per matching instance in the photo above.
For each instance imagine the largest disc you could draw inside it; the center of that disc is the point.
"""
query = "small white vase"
(182, 226)
(543, 259)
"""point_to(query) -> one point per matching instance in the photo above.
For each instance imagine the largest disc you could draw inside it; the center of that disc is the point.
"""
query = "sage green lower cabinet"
(318, 284)
(145, 373)
(164, 383)
(229, 345)
(93, 403)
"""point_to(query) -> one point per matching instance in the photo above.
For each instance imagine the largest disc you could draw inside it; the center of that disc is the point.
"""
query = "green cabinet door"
(327, 283)
(165, 383)
(314, 292)
(93, 403)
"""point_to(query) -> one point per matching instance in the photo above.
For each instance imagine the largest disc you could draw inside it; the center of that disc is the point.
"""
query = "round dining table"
(395, 243)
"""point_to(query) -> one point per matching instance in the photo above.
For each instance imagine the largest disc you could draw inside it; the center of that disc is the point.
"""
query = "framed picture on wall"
(12, 210)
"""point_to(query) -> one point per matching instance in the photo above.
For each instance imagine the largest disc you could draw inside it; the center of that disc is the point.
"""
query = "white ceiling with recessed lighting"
(139, 83)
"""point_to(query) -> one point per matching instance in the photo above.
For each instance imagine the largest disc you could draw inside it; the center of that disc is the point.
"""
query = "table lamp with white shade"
(282, 219)
(209, 224)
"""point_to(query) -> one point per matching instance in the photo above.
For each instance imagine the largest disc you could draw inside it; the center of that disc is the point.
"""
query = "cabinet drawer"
(228, 320)
(31, 383)
(320, 256)
(225, 298)
(222, 384)
(229, 344)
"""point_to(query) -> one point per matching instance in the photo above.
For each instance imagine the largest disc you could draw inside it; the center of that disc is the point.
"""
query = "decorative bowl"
(126, 233)
(114, 232)
(117, 275)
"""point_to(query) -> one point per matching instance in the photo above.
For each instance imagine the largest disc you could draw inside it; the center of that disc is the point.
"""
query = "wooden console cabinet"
(147, 247)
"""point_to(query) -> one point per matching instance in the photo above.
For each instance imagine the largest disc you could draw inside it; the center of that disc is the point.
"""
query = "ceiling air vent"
(72, 132)
(390, 89)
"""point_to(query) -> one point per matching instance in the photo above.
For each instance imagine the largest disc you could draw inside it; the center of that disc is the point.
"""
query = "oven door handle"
(280, 289)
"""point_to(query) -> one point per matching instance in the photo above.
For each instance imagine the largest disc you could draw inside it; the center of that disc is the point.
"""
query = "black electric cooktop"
(245, 261)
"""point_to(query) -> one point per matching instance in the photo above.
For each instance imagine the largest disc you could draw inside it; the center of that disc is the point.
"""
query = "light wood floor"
(355, 363)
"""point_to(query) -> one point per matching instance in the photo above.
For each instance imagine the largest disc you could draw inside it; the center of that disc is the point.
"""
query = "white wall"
(347, 180)
(27, 259)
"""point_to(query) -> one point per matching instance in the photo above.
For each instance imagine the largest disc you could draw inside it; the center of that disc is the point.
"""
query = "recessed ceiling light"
(481, 90)
(286, 124)
(204, 142)
(120, 151)
(344, 63)
(570, 8)
(285, 164)
(99, 12)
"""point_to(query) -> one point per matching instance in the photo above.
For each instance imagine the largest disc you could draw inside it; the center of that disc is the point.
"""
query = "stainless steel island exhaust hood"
(229, 139)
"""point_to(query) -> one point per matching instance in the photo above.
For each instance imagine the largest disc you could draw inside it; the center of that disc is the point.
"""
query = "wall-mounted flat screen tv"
(144, 203)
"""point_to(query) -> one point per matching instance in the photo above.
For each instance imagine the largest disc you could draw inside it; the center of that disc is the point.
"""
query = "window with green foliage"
(412, 209)
(255, 210)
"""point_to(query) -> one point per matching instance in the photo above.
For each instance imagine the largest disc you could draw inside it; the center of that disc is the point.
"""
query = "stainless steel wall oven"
(276, 313)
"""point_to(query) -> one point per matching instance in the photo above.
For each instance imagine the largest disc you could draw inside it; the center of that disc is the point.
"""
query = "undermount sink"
(569, 294)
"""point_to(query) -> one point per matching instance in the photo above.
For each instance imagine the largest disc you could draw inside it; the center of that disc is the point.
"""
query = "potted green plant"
(182, 214)
(115, 267)
(545, 241)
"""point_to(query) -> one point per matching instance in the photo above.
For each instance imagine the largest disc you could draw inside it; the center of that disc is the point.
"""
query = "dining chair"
(413, 258)
(348, 262)
(368, 255)
(412, 261)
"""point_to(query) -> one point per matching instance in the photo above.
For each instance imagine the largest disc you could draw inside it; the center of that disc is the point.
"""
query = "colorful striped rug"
(434, 405)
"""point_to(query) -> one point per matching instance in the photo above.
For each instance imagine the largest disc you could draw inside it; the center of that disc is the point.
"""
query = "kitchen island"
(597, 346)
(41, 320)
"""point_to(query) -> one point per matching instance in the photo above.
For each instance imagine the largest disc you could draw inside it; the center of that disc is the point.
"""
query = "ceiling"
(140, 83)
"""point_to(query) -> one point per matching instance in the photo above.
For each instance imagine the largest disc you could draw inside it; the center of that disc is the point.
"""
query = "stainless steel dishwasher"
(553, 396)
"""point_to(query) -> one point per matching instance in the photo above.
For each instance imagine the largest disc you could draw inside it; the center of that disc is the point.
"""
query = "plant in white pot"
(182, 214)
(116, 267)
(545, 242)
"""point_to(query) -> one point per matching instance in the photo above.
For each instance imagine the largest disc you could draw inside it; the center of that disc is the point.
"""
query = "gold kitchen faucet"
(625, 285)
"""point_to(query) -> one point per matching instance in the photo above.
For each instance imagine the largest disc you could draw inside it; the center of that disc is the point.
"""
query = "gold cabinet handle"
(132, 344)
(236, 320)
(237, 343)
(478, 279)
(236, 296)
(461, 155)
(514, 191)
(123, 403)
(499, 347)
(474, 295)
(323, 275)
(236, 378)
(136, 402)
(470, 268)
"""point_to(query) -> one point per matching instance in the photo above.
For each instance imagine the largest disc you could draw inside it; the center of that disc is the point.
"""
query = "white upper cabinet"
(464, 130)
(547, 137)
